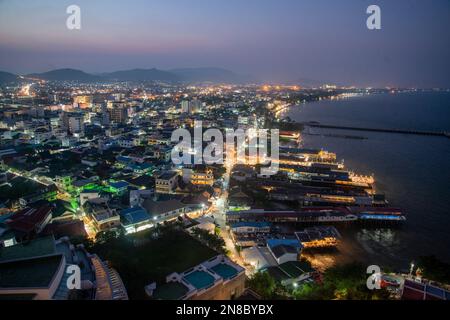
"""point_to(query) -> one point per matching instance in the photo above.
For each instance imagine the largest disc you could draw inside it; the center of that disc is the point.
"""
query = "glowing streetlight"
(411, 269)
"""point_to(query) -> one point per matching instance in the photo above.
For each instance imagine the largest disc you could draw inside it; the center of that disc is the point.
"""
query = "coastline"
(396, 178)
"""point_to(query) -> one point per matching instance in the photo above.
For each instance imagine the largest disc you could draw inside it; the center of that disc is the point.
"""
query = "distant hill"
(142, 75)
(65, 75)
(6, 77)
(188, 75)
(209, 75)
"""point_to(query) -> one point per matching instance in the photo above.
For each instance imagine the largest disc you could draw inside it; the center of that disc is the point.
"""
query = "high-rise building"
(76, 124)
(185, 106)
(106, 119)
(118, 115)
(118, 112)
(73, 122)
(196, 106)
(192, 106)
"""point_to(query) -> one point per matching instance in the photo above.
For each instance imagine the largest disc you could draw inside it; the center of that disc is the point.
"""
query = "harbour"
(419, 187)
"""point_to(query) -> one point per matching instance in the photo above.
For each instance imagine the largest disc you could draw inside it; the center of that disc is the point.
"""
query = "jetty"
(402, 131)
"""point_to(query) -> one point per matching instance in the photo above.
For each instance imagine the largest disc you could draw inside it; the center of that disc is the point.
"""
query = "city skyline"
(267, 40)
(247, 151)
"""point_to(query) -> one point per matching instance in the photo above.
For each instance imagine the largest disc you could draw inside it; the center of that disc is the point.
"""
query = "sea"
(413, 171)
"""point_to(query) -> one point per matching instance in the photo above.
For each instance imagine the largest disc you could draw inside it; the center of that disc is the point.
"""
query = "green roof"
(35, 248)
(277, 273)
(289, 270)
(170, 291)
(295, 268)
(30, 273)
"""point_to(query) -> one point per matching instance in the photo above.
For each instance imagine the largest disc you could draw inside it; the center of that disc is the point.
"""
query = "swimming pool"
(224, 270)
(199, 279)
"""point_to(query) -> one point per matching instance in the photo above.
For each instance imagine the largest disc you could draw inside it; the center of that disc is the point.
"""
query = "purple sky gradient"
(273, 40)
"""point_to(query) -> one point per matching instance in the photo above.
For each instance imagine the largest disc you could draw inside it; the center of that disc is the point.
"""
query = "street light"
(411, 269)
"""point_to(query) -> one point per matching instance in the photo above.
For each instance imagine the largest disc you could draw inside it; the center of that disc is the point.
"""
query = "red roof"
(28, 219)
(72, 228)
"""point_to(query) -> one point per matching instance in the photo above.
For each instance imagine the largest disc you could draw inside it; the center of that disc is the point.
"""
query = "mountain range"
(6, 77)
(186, 75)
(182, 75)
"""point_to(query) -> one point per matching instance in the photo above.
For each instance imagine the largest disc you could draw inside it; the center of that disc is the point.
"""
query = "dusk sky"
(272, 40)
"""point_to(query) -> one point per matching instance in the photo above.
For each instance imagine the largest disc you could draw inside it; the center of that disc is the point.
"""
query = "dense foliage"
(347, 282)
(213, 241)
(434, 269)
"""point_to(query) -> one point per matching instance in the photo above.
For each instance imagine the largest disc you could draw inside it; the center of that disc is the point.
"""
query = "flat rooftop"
(167, 175)
(296, 268)
(35, 248)
(31, 273)
(170, 291)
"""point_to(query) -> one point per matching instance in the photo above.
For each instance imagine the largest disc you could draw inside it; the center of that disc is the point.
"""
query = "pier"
(415, 132)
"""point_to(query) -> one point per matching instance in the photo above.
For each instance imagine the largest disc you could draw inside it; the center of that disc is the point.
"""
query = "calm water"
(413, 171)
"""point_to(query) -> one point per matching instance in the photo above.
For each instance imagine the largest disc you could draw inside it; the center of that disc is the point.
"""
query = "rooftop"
(27, 219)
(170, 291)
(287, 242)
(254, 224)
(283, 249)
(155, 208)
(30, 273)
(167, 175)
(134, 215)
(317, 233)
(35, 248)
(119, 184)
(296, 268)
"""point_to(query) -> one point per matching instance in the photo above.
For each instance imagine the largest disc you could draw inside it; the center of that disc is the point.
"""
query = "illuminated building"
(216, 279)
(100, 215)
(195, 106)
(74, 122)
(136, 219)
(198, 175)
(185, 106)
(83, 102)
(40, 270)
(166, 182)
(318, 237)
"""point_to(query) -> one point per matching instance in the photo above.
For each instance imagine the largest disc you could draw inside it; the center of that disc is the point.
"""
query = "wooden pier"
(415, 132)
